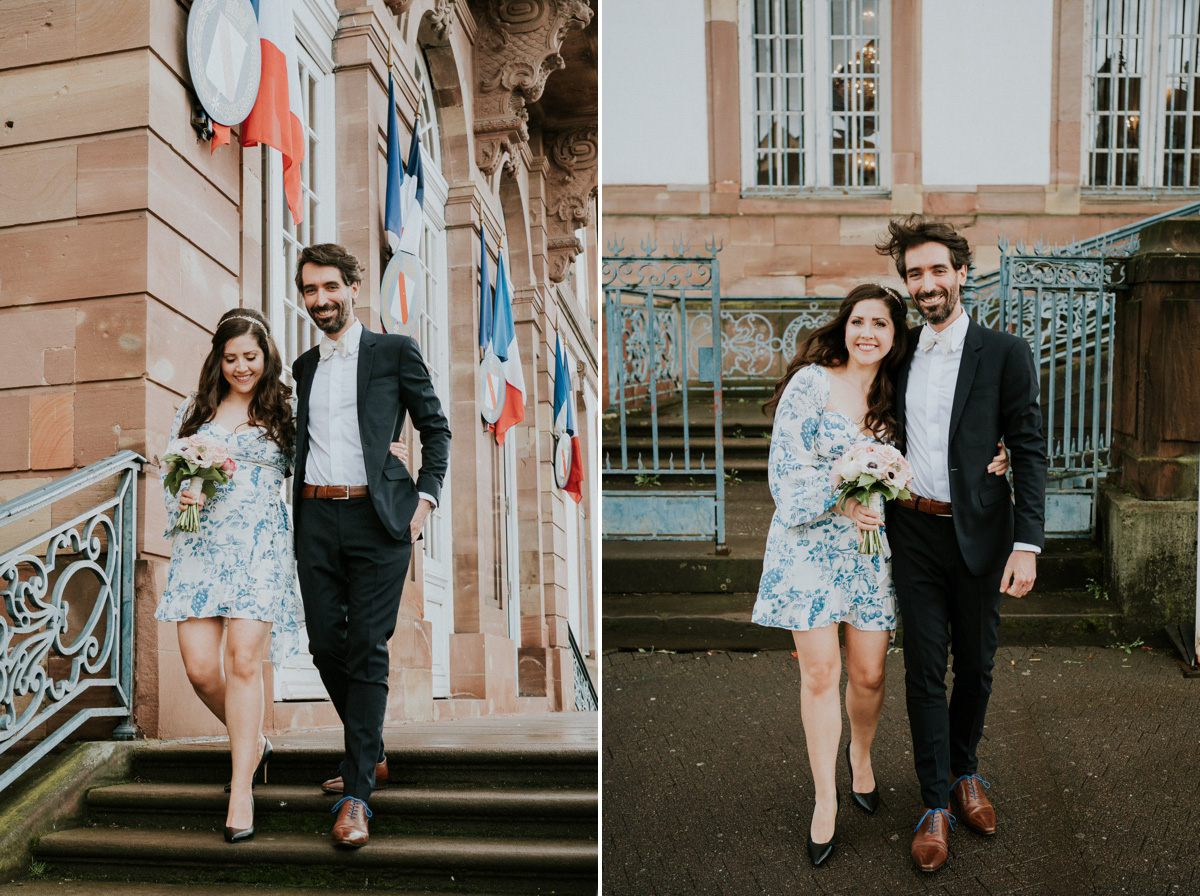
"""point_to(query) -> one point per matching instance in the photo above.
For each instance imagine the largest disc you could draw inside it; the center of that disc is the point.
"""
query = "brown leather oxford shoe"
(350, 829)
(931, 843)
(973, 806)
(338, 787)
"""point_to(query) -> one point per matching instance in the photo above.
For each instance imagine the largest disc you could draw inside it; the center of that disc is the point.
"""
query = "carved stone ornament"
(398, 7)
(516, 51)
(570, 188)
(436, 22)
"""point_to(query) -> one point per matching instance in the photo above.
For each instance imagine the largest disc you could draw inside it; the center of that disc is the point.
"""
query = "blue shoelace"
(355, 799)
(933, 825)
(971, 779)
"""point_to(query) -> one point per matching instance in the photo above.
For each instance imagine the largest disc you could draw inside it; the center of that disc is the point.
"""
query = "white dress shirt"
(335, 455)
(929, 398)
(334, 444)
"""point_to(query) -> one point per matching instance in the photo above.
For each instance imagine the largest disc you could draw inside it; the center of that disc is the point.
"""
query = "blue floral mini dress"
(242, 562)
(813, 575)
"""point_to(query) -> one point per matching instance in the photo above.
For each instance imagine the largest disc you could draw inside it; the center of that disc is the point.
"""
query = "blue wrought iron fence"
(585, 691)
(67, 627)
(663, 374)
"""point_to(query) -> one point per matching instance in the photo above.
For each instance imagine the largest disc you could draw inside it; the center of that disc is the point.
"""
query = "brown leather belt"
(333, 492)
(925, 505)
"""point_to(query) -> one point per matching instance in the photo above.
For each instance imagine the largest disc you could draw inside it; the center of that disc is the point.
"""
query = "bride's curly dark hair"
(827, 346)
(270, 407)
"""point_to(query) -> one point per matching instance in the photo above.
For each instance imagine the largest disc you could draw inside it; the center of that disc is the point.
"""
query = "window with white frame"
(283, 239)
(1143, 130)
(815, 90)
(316, 22)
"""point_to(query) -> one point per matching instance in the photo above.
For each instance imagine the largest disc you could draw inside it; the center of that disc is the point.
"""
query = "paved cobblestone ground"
(1092, 754)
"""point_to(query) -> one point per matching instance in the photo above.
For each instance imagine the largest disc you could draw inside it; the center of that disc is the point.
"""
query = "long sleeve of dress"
(798, 476)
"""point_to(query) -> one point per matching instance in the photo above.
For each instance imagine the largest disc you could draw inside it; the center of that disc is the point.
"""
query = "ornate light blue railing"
(663, 368)
(585, 691)
(67, 623)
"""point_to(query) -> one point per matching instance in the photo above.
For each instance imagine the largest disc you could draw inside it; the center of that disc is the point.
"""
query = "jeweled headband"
(253, 320)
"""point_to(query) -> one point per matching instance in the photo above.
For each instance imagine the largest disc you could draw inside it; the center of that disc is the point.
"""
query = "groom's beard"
(940, 311)
(334, 324)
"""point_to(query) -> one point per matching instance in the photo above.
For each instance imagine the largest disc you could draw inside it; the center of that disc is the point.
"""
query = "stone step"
(450, 766)
(673, 621)
(296, 859)
(43, 887)
(688, 568)
(480, 812)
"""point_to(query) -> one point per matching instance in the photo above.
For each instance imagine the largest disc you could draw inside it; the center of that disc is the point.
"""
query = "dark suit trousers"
(351, 576)
(944, 608)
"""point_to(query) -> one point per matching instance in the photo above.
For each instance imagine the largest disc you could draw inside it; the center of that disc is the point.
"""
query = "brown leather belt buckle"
(927, 505)
(333, 492)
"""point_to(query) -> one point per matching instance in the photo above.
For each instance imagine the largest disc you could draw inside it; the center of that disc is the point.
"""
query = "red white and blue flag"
(564, 420)
(405, 184)
(277, 118)
(504, 344)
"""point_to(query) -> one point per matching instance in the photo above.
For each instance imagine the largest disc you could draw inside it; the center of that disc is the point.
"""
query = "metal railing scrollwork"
(66, 625)
(585, 691)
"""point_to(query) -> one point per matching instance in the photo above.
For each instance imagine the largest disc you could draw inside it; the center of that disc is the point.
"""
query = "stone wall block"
(37, 185)
(51, 430)
(14, 445)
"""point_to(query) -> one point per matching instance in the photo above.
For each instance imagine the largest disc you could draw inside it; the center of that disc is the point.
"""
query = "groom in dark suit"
(357, 509)
(964, 538)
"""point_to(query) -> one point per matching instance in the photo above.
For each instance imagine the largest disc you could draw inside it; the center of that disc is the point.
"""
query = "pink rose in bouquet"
(871, 473)
(196, 457)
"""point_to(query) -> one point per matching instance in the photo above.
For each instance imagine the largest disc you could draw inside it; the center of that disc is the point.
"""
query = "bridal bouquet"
(196, 457)
(871, 474)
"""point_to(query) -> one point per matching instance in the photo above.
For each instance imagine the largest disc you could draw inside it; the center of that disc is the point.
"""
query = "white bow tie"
(928, 339)
(327, 347)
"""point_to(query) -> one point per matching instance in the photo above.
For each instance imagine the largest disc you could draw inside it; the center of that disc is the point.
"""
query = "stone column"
(1148, 510)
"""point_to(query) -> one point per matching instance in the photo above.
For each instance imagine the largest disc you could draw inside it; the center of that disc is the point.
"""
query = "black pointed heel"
(868, 802)
(232, 836)
(261, 768)
(819, 852)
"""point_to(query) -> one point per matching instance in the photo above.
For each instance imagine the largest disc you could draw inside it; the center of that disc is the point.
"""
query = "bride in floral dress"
(231, 585)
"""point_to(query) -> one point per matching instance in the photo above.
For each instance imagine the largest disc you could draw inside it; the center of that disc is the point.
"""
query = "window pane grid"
(1145, 103)
(1115, 158)
(854, 39)
(779, 63)
(298, 332)
(1181, 142)
(815, 87)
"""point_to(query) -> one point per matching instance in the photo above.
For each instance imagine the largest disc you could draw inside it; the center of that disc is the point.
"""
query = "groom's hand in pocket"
(418, 520)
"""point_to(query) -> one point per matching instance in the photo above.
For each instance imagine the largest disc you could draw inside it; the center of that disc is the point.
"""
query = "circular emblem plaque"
(492, 388)
(224, 57)
(562, 460)
(400, 294)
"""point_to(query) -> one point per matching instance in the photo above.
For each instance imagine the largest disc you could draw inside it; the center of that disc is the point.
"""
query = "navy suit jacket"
(393, 381)
(996, 396)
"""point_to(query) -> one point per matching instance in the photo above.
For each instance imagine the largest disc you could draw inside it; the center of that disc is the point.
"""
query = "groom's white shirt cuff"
(1022, 546)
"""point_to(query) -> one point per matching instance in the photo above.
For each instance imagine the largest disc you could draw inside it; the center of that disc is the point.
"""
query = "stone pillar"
(1148, 510)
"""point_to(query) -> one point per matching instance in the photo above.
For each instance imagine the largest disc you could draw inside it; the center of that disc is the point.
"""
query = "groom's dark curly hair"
(916, 230)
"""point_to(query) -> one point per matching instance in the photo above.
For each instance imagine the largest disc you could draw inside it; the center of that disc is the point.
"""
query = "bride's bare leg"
(865, 656)
(200, 647)
(245, 647)
(821, 712)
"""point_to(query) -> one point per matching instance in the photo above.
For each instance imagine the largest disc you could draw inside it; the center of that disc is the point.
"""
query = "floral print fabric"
(813, 575)
(242, 562)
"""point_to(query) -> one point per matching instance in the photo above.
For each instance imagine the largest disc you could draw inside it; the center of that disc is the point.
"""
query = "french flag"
(277, 118)
(405, 184)
(504, 344)
(564, 419)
